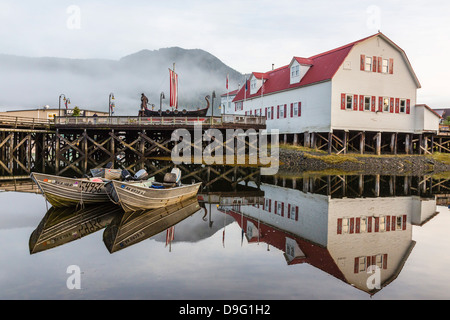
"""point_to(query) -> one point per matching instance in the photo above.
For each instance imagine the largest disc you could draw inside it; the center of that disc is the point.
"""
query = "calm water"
(286, 244)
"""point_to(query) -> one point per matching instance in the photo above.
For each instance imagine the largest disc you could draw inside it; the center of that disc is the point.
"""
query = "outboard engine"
(141, 175)
(125, 175)
(173, 178)
(177, 173)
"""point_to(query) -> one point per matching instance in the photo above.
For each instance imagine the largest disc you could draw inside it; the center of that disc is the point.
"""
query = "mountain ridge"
(32, 82)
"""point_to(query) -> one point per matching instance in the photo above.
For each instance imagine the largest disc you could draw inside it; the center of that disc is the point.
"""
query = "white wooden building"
(361, 96)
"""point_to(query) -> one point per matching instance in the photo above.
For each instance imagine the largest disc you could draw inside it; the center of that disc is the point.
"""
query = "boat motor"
(141, 175)
(125, 175)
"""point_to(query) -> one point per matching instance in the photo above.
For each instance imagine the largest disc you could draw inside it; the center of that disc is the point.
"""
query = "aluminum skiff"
(66, 192)
(133, 196)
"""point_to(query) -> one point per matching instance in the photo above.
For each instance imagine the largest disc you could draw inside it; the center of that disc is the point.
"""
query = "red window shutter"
(235, 107)
(296, 213)
(342, 101)
(380, 64)
(356, 266)
(292, 110)
(285, 110)
(388, 223)
(299, 109)
(368, 261)
(282, 209)
(408, 106)
(357, 225)
(355, 102)
(275, 210)
(404, 222)
(363, 62)
(372, 107)
(374, 64)
(270, 205)
(271, 114)
(380, 104)
(391, 106)
(278, 112)
(385, 256)
(339, 226)
(289, 211)
(266, 113)
(397, 105)
(361, 103)
(352, 225)
(369, 224)
(393, 224)
(377, 224)
(391, 66)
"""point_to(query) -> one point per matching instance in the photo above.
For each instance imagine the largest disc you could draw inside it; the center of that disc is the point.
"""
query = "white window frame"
(253, 83)
(279, 208)
(386, 106)
(295, 71)
(295, 111)
(385, 66)
(293, 211)
(404, 106)
(370, 102)
(281, 111)
(368, 64)
(346, 102)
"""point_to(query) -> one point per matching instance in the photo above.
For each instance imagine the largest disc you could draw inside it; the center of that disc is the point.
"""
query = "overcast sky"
(246, 35)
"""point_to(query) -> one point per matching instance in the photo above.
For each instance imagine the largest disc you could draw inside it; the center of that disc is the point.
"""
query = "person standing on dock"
(144, 102)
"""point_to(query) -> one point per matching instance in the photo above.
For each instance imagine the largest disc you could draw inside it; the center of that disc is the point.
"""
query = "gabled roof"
(323, 68)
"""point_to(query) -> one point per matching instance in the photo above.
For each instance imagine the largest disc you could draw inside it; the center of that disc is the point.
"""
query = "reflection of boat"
(136, 226)
(142, 195)
(65, 192)
(63, 225)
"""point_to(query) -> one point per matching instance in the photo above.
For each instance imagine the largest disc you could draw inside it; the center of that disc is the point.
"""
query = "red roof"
(323, 67)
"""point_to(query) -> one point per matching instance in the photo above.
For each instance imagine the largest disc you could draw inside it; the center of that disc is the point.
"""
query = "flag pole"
(228, 92)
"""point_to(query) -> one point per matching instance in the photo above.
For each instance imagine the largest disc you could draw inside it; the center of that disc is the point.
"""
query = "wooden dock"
(73, 145)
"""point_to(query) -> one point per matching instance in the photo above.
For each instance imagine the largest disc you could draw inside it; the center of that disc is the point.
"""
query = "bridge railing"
(24, 122)
(102, 121)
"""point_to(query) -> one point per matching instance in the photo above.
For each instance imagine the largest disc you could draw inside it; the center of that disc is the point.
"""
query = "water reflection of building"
(341, 236)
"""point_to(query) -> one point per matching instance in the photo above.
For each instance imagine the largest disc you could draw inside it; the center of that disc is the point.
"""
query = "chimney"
(273, 66)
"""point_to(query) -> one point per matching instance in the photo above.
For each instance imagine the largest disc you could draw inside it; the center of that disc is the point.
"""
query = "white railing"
(139, 121)
(23, 121)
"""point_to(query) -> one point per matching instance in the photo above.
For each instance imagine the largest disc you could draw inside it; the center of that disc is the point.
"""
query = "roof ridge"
(351, 44)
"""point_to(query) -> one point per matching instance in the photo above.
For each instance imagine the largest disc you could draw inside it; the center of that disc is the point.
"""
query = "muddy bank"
(299, 161)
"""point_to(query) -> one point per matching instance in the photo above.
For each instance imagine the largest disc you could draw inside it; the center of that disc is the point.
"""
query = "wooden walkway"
(76, 144)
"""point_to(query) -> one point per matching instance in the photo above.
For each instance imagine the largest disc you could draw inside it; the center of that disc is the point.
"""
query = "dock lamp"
(66, 100)
(111, 103)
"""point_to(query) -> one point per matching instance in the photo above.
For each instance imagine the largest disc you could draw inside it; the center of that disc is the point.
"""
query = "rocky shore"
(299, 160)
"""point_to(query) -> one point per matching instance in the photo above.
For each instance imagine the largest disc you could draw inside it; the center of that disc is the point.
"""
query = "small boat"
(66, 192)
(148, 194)
(176, 113)
(63, 225)
(133, 227)
(107, 172)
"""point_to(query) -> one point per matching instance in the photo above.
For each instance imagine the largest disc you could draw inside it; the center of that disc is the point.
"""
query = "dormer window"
(253, 84)
(295, 71)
